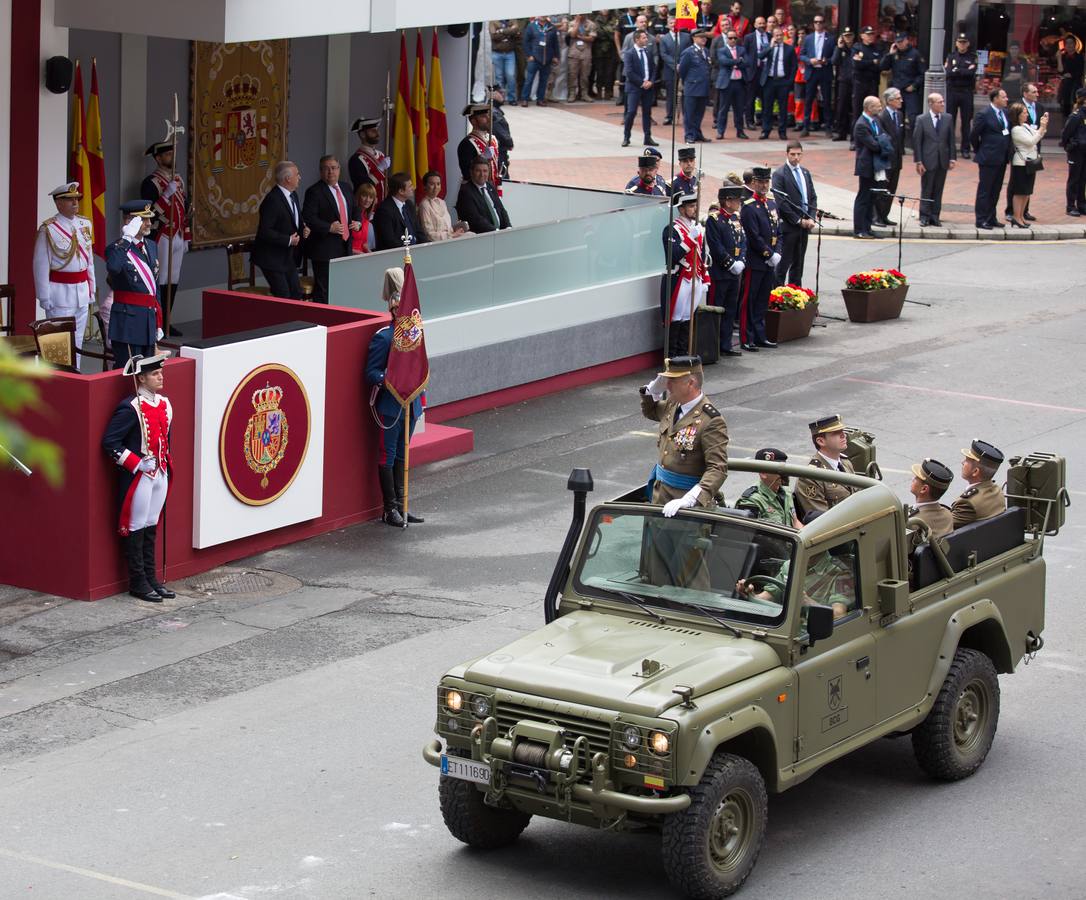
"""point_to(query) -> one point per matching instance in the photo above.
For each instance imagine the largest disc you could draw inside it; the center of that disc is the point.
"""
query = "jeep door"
(836, 677)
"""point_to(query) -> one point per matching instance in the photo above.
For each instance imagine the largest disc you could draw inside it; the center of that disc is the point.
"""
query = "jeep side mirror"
(819, 622)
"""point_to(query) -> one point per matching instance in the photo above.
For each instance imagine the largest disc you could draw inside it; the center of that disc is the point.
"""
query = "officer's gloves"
(657, 388)
(148, 464)
(774, 260)
(737, 267)
(687, 500)
(158, 334)
(132, 228)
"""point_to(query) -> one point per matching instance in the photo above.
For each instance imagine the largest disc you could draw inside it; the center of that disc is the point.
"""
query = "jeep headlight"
(480, 706)
(631, 736)
(659, 743)
(454, 701)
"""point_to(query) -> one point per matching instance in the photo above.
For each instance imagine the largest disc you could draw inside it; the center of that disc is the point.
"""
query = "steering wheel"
(763, 580)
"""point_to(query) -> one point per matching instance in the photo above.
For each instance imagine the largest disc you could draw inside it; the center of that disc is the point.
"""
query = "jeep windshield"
(685, 563)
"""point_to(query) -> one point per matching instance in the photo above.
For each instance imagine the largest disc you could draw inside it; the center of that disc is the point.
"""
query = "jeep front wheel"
(711, 846)
(470, 820)
(953, 741)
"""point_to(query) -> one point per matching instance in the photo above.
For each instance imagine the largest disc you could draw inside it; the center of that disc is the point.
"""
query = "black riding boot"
(388, 493)
(137, 581)
(150, 534)
(398, 473)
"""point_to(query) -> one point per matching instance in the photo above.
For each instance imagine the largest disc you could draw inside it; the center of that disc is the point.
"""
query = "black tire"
(953, 741)
(711, 846)
(470, 820)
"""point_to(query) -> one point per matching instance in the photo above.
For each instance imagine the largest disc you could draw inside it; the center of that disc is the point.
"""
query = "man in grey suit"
(935, 155)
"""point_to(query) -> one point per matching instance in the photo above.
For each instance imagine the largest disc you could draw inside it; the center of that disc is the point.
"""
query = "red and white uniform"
(376, 165)
(171, 224)
(64, 269)
(144, 497)
(692, 279)
(486, 145)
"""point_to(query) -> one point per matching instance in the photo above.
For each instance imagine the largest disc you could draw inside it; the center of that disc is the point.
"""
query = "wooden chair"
(7, 309)
(239, 276)
(106, 355)
(55, 340)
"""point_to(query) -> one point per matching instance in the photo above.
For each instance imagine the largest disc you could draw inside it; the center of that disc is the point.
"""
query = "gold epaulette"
(48, 221)
(748, 200)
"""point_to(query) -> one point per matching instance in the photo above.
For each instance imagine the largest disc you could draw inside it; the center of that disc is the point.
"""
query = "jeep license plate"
(465, 769)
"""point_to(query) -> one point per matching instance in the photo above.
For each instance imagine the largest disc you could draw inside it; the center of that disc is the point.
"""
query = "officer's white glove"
(687, 500)
(158, 334)
(737, 267)
(147, 464)
(774, 260)
(132, 228)
(657, 387)
(171, 189)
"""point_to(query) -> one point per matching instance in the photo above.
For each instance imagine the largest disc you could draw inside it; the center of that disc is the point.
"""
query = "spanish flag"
(686, 15)
(96, 158)
(419, 119)
(78, 164)
(438, 127)
(403, 140)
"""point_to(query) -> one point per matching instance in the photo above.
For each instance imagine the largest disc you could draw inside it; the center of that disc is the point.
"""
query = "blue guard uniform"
(135, 321)
(684, 184)
(694, 71)
(727, 243)
(763, 227)
(645, 182)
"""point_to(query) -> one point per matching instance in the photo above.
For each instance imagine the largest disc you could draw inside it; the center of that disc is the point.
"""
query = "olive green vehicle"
(662, 693)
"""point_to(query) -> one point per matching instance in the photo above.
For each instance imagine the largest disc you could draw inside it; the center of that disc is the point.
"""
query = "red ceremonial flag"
(96, 158)
(435, 115)
(403, 139)
(686, 15)
(408, 370)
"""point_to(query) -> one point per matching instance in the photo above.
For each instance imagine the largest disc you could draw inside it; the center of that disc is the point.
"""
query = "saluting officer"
(866, 66)
(906, 67)
(763, 227)
(983, 498)
(727, 244)
(961, 81)
(830, 441)
(368, 165)
(646, 181)
(135, 322)
(768, 499)
(479, 142)
(686, 182)
(930, 481)
(165, 188)
(692, 441)
(64, 261)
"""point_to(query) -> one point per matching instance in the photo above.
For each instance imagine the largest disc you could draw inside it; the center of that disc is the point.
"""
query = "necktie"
(644, 65)
(798, 172)
(342, 210)
(935, 119)
(776, 60)
(874, 126)
(678, 415)
(893, 117)
(490, 206)
(294, 206)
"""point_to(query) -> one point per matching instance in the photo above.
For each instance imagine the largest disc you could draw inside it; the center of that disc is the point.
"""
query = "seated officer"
(830, 441)
(930, 481)
(768, 499)
(830, 581)
(983, 498)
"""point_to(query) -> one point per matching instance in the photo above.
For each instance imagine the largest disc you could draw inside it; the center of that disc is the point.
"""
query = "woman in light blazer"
(1025, 139)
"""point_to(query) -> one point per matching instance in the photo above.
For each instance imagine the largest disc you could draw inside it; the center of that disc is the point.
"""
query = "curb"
(967, 232)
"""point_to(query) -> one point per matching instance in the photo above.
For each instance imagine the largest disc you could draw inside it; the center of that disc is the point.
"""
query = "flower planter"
(789, 324)
(874, 306)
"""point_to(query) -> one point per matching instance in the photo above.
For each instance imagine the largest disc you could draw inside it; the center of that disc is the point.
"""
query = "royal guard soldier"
(727, 245)
(389, 413)
(830, 440)
(647, 182)
(657, 159)
(64, 261)
(686, 288)
(165, 188)
(762, 224)
(137, 439)
(368, 165)
(135, 322)
(686, 182)
(479, 142)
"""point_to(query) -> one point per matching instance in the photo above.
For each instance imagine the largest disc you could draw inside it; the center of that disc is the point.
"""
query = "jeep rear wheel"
(470, 820)
(953, 741)
(711, 846)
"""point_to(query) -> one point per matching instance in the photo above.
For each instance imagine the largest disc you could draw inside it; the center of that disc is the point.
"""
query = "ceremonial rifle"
(173, 129)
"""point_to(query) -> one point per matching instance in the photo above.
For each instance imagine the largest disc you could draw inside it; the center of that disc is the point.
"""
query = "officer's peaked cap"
(761, 173)
(826, 425)
(687, 153)
(141, 208)
(68, 190)
(678, 366)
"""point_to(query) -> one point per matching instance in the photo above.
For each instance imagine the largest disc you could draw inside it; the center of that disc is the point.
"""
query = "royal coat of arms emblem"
(407, 333)
(266, 434)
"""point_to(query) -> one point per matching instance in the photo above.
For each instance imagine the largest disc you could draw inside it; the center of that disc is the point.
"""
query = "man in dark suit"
(797, 204)
(990, 136)
(892, 122)
(731, 68)
(776, 78)
(865, 136)
(280, 232)
(694, 71)
(331, 213)
(817, 54)
(397, 215)
(478, 203)
(640, 71)
(754, 44)
(935, 153)
(1034, 111)
(670, 52)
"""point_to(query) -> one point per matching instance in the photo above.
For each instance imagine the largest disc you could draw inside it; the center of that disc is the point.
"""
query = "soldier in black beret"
(983, 498)
(769, 499)
(930, 481)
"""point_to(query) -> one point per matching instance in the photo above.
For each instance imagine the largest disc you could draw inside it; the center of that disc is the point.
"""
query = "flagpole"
(406, 406)
(173, 128)
(671, 199)
(388, 109)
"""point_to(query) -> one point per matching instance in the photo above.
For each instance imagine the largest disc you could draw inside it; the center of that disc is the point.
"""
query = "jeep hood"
(596, 660)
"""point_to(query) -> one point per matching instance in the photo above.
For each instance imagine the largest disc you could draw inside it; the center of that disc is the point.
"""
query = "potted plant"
(791, 313)
(875, 295)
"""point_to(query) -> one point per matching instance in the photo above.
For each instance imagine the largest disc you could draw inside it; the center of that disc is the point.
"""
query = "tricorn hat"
(69, 190)
(769, 454)
(687, 153)
(678, 366)
(158, 147)
(141, 208)
(679, 198)
(361, 123)
(934, 473)
(826, 425)
(475, 109)
(982, 451)
(141, 365)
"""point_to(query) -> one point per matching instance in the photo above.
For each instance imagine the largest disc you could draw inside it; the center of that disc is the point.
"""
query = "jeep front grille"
(598, 732)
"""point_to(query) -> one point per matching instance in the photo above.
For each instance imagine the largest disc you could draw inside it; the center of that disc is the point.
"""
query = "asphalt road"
(254, 746)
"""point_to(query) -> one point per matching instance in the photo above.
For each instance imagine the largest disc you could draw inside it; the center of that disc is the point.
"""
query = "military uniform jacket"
(139, 427)
(727, 243)
(684, 185)
(476, 144)
(695, 445)
(906, 69)
(939, 517)
(654, 189)
(822, 495)
(694, 71)
(376, 363)
(129, 324)
(961, 69)
(170, 214)
(772, 507)
(981, 501)
(763, 228)
(65, 247)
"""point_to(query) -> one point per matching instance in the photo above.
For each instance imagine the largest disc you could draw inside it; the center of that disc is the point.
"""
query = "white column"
(5, 132)
(133, 117)
(337, 113)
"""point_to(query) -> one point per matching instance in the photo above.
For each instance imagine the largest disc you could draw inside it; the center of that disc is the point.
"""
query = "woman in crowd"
(434, 213)
(1026, 139)
(363, 240)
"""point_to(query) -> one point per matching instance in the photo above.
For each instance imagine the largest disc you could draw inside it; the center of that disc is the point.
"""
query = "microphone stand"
(901, 198)
(819, 215)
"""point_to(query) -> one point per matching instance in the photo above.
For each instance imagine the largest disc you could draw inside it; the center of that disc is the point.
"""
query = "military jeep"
(684, 670)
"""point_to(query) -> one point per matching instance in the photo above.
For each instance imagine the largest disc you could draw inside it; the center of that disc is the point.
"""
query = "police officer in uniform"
(692, 440)
(165, 188)
(906, 67)
(866, 65)
(135, 322)
(768, 499)
(763, 227)
(983, 498)
(686, 182)
(830, 441)
(727, 244)
(645, 182)
(842, 87)
(930, 481)
(368, 165)
(64, 261)
(961, 79)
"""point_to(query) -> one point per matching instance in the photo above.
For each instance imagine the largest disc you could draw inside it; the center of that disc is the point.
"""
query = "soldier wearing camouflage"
(830, 440)
(983, 498)
(768, 499)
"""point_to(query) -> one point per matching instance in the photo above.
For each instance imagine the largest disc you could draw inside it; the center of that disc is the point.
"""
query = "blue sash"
(671, 479)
